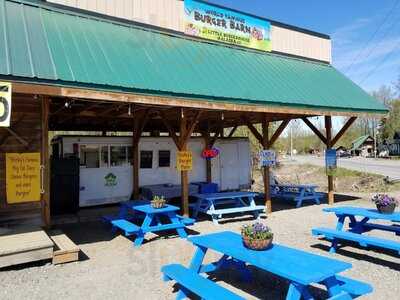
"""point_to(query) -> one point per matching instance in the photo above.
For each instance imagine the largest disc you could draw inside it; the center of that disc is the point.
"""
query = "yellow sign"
(23, 177)
(5, 104)
(184, 161)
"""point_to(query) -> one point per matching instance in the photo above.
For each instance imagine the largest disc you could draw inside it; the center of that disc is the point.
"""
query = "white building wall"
(170, 14)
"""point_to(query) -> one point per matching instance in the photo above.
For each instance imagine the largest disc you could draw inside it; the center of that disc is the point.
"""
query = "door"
(230, 173)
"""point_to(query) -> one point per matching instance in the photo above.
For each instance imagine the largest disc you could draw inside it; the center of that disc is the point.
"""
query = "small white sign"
(267, 158)
(5, 104)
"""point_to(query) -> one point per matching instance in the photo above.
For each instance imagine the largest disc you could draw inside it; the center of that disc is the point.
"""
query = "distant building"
(363, 146)
(394, 146)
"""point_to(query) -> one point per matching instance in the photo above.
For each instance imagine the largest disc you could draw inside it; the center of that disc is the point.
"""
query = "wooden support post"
(184, 174)
(328, 128)
(186, 128)
(138, 125)
(207, 144)
(44, 150)
(266, 170)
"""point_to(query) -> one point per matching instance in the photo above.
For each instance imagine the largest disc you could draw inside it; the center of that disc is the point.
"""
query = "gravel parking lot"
(112, 269)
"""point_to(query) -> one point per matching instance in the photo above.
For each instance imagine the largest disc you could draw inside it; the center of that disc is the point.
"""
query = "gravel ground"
(112, 269)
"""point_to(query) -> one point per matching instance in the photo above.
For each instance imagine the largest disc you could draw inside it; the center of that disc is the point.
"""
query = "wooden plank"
(328, 128)
(65, 249)
(28, 245)
(233, 130)
(315, 130)
(278, 132)
(81, 93)
(45, 196)
(266, 170)
(255, 132)
(342, 131)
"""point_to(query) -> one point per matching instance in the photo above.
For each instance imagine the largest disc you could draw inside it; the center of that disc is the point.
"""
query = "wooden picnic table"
(296, 192)
(235, 202)
(154, 220)
(360, 222)
(299, 267)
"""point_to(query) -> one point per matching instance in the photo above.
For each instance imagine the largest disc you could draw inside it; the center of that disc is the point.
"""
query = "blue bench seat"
(362, 240)
(186, 221)
(233, 210)
(197, 284)
(128, 227)
(354, 287)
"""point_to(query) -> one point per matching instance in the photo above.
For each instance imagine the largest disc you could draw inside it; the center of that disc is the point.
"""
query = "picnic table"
(360, 222)
(299, 267)
(296, 192)
(235, 202)
(154, 220)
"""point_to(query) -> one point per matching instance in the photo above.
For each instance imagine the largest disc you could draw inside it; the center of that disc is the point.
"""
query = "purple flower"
(384, 200)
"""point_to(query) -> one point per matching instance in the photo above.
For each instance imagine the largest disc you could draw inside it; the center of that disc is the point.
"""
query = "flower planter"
(255, 244)
(157, 204)
(386, 209)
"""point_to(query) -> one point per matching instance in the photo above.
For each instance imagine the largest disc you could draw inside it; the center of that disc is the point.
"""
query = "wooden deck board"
(25, 246)
(65, 249)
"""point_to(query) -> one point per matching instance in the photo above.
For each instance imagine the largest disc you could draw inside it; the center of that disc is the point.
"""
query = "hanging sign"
(223, 25)
(267, 158)
(5, 104)
(22, 177)
(210, 153)
(330, 162)
(184, 161)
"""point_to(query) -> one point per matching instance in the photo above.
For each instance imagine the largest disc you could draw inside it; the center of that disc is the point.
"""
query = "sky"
(365, 33)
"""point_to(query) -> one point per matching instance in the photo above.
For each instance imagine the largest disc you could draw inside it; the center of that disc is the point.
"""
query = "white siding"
(170, 14)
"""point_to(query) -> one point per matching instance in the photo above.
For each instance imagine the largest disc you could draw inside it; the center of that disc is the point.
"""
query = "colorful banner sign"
(330, 162)
(22, 177)
(223, 25)
(184, 161)
(267, 158)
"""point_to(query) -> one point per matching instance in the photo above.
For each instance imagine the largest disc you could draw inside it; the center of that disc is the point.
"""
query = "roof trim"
(106, 93)
(273, 22)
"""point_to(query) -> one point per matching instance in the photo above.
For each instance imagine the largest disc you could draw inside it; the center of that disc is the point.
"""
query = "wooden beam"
(110, 109)
(278, 132)
(328, 128)
(172, 101)
(19, 138)
(169, 128)
(266, 170)
(139, 122)
(77, 113)
(192, 125)
(7, 133)
(342, 131)
(255, 132)
(45, 196)
(233, 130)
(315, 130)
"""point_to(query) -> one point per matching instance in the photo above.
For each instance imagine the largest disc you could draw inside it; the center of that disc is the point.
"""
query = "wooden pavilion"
(74, 71)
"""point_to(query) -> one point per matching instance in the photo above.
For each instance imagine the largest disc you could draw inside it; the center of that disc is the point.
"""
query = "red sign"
(210, 153)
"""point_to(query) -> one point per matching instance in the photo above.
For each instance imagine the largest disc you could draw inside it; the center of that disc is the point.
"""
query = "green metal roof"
(43, 43)
(357, 143)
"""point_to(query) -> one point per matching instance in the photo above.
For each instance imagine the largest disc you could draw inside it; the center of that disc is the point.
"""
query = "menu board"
(22, 177)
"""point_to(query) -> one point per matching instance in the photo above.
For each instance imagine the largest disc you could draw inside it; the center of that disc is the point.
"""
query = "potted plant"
(384, 203)
(158, 202)
(257, 236)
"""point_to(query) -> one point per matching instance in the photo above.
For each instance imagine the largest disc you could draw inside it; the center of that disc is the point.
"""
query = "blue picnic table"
(154, 220)
(296, 192)
(234, 202)
(299, 267)
(360, 222)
